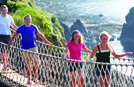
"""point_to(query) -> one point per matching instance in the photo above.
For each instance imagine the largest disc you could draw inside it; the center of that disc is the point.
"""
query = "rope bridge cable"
(54, 71)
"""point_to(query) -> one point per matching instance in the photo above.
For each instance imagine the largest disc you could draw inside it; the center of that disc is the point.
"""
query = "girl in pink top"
(75, 47)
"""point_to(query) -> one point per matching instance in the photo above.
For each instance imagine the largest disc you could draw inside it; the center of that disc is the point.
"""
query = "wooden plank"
(17, 78)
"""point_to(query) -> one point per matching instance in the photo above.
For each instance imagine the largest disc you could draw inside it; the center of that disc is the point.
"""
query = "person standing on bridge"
(75, 47)
(5, 33)
(102, 52)
(28, 32)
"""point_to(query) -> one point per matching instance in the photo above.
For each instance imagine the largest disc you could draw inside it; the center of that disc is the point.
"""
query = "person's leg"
(107, 81)
(28, 70)
(101, 81)
(35, 70)
(81, 75)
(73, 74)
(100, 73)
(4, 49)
(108, 78)
(27, 62)
(104, 79)
(5, 57)
(36, 63)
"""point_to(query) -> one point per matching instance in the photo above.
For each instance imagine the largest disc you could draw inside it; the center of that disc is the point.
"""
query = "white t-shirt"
(5, 23)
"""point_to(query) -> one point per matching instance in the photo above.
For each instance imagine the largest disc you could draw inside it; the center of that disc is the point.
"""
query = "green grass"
(86, 57)
(47, 23)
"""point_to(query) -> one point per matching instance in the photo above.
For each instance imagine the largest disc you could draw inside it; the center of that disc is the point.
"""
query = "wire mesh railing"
(53, 71)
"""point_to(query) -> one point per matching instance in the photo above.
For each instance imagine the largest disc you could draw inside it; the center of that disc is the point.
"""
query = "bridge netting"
(54, 71)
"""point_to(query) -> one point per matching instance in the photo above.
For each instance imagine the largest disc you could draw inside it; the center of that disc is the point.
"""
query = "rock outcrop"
(127, 34)
(66, 31)
(78, 25)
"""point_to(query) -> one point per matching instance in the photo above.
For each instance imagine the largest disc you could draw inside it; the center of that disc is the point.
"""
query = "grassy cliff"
(47, 23)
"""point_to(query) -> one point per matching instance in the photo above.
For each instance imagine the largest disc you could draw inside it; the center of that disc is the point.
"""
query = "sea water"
(112, 10)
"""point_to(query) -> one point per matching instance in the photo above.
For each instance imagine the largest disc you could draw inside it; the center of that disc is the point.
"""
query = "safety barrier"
(54, 70)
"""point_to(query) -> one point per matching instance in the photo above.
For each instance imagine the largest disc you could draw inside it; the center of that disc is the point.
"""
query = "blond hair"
(77, 32)
(106, 34)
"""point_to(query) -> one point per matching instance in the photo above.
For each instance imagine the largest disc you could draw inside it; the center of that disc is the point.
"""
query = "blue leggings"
(103, 72)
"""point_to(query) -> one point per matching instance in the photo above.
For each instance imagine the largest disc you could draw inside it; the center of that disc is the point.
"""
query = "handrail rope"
(62, 48)
(54, 69)
(66, 60)
(73, 60)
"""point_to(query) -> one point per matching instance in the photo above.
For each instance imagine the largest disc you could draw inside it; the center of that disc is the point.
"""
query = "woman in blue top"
(28, 32)
(102, 52)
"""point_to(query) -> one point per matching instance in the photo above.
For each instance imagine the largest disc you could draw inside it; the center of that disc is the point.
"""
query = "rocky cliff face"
(127, 34)
(66, 31)
(78, 25)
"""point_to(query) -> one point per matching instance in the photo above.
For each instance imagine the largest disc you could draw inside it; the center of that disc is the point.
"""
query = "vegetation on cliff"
(47, 23)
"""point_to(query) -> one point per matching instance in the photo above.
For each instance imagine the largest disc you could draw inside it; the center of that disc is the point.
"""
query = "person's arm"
(119, 55)
(13, 37)
(93, 53)
(14, 26)
(86, 49)
(44, 39)
(65, 52)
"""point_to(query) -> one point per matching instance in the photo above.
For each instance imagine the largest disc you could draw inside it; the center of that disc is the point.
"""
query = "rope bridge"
(54, 71)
